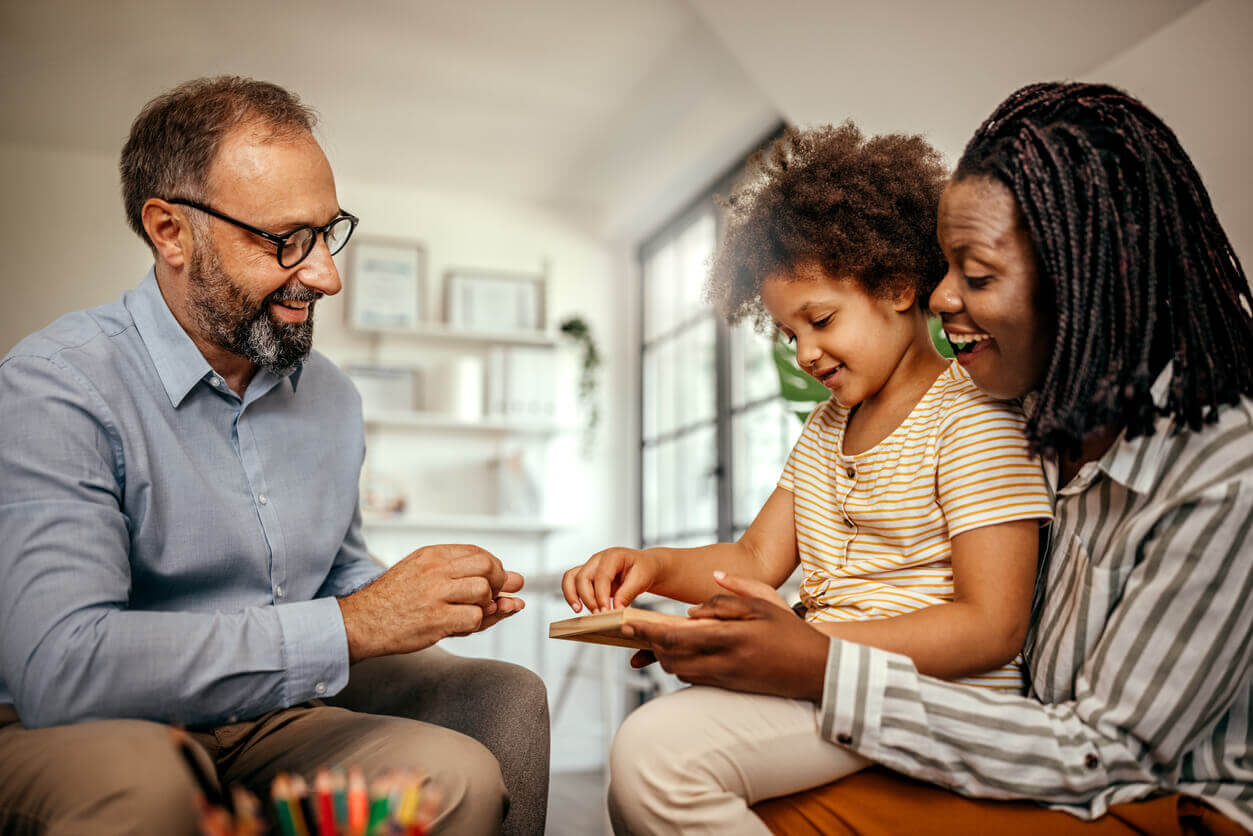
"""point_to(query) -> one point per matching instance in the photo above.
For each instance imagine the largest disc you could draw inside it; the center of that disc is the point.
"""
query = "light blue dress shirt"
(169, 551)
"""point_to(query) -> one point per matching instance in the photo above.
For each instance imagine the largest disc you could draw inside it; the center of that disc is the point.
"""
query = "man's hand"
(433, 593)
(742, 644)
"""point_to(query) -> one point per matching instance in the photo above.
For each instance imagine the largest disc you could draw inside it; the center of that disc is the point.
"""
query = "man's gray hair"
(174, 139)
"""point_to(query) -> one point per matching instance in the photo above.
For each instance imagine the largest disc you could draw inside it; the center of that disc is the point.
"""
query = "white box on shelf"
(383, 388)
(456, 388)
(519, 478)
(522, 383)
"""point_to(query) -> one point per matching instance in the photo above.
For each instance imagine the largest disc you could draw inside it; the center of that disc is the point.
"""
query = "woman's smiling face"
(990, 300)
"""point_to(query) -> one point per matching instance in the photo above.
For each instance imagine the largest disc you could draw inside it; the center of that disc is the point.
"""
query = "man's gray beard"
(234, 322)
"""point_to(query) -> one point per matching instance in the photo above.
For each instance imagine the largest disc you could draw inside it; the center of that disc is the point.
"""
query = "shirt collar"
(178, 361)
(1136, 463)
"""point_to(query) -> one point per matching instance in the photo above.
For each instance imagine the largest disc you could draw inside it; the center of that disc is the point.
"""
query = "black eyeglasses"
(295, 245)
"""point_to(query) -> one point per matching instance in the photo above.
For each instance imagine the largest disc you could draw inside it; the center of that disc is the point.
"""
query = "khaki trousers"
(125, 776)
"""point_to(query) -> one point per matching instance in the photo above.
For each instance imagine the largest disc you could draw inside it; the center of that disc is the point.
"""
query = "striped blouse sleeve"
(984, 472)
(1162, 677)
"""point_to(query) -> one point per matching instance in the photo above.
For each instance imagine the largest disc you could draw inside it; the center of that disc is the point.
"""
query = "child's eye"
(976, 282)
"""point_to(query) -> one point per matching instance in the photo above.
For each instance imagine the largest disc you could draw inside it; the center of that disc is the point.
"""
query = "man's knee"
(475, 796)
(101, 778)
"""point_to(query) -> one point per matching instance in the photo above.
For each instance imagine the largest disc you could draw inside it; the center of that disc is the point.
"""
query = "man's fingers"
(472, 590)
(505, 607)
(513, 582)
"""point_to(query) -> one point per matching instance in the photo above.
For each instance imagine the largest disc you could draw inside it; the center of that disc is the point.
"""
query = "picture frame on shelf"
(386, 284)
(495, 300)
(384, 388)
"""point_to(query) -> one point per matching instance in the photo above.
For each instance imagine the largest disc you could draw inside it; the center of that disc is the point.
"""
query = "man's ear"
(903, 296)
(169, 232)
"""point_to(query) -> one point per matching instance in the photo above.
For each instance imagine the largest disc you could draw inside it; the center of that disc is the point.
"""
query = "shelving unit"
(464, 522)
(443, 333)
(417, 420)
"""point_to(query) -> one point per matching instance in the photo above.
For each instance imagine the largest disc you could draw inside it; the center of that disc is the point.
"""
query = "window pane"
(669, 491)
(661, 401)
(660, 297)
(651, 381)
(761, 438)
(695, 370)
(753, 374)
(649, 498)
(695, 246)
(698, 460)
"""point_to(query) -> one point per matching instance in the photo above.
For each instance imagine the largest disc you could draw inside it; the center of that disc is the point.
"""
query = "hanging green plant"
(577, 329)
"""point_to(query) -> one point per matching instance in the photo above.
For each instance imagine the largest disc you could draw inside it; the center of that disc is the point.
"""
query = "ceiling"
(611, 112)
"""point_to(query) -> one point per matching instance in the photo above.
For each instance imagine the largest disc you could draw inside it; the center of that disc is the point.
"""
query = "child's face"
(847, 339)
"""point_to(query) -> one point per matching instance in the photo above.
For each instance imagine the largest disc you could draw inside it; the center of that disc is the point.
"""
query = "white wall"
(1197, 74)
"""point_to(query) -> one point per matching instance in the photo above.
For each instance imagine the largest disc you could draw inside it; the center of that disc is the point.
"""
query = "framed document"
(386, 280)
(487, 300)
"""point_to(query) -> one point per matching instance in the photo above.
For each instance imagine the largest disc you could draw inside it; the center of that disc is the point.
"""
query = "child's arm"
(766, 552)
(983, 628)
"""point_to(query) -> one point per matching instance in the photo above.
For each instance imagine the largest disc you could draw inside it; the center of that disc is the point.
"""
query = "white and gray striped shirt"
(1139, 655)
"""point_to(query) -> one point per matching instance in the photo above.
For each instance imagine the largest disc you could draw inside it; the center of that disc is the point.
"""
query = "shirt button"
(852, 474)
(263, 499)
(234, 718)
(1091, 761)
(844, 739)
(216, 381)
(848, 522)
(320, 688)
(278, 591)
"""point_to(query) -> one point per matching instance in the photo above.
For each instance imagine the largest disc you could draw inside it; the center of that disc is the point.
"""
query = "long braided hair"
(1140, 269)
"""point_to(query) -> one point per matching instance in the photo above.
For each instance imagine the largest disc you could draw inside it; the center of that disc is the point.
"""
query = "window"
(715, 431)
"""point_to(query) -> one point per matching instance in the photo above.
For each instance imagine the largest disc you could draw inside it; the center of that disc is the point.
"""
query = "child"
(910, 501)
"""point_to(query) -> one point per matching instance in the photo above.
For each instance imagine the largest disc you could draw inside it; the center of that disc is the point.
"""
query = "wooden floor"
(576, 804)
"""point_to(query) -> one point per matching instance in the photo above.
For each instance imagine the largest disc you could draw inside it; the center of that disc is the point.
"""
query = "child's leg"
(693, 761)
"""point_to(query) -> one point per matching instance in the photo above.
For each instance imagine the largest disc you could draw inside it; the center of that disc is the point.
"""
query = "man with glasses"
(180, 537)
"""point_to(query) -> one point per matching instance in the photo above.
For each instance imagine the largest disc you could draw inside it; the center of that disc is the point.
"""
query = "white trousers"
(693, 761)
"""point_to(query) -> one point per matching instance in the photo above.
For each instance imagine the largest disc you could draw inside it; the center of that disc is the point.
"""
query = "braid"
(1141, 271)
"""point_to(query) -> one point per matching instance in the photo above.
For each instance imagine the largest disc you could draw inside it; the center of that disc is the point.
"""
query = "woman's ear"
(168, 231)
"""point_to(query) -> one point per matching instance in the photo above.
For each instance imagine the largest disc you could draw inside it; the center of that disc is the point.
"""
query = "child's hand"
(747, 588)
(609, 579)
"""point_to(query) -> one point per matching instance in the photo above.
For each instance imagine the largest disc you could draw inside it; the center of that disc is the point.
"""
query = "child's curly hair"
(859, 207)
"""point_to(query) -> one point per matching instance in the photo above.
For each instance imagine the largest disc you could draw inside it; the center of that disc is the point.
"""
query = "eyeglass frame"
(279, 241)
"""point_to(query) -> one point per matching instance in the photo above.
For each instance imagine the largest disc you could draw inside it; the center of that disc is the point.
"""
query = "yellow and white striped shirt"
(874, 530)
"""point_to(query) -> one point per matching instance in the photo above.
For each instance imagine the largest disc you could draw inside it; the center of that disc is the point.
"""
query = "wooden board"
(606, 627)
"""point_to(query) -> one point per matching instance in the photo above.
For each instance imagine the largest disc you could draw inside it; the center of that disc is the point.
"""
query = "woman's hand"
(609, 579)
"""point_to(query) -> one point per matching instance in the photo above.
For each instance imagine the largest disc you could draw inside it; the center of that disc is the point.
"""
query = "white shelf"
(463, 522)
(442, 331)
(411, 419)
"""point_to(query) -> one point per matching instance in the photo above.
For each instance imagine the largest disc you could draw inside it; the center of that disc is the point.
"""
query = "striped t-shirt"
(874, 530)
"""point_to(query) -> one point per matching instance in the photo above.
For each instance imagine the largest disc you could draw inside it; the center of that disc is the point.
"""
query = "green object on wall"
(803, 393)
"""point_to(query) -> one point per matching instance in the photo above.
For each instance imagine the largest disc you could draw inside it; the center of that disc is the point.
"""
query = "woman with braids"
(1088, 275)
(911, 501)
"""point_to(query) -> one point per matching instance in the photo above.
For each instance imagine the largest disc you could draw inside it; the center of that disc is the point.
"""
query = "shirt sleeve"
(353, 567)
(70, 649)
(985, 474)
(1169, 664)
